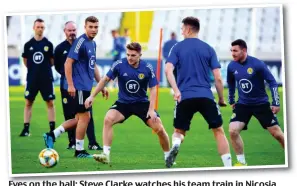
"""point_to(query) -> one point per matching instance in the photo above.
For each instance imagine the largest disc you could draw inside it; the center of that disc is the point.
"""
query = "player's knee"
(160, 130)
(233, 132)
(233, 129)
(85, 117)
(108, 120)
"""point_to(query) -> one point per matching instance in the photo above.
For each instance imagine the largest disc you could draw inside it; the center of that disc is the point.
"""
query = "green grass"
(134, 146)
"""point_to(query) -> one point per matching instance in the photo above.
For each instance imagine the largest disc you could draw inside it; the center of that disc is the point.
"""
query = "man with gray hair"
(60, 55)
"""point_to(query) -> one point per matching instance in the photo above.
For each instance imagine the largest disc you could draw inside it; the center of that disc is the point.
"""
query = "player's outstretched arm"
(99, 87)
(231, 87)
(219, 86)
(171, 79)
(68, 74)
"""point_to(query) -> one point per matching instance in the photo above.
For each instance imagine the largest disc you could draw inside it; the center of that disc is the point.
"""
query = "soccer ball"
(48, 157)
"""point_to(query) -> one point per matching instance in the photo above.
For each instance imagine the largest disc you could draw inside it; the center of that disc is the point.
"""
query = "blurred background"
(260, 27)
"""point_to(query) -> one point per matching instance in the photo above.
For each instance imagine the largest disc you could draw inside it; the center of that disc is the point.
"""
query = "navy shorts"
(79, 101)
(138, 109)
(70, 106)
(263, 113)
(46, 89)
(185, 110)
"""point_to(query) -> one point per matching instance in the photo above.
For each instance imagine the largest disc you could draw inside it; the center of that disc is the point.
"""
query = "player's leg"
(235, 128)
(223, 146)
(82, 125)
(159, 129)
(79, 107)
(93, 145)
(269, 121)
(51, 114)
(141, 110)
(83, 119)
(211, 113)
(27, 117)
(183, 114)
(30, 94)
(68, 105)
(278, 134)
(50, 137)
(48, 95)
(238, 122)
(117, 114)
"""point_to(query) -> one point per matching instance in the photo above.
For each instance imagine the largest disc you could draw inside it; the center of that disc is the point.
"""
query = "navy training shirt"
(250, 77)
(83, 51)
(38, 55)
(193, 60)
(60, 56)
(133, 82)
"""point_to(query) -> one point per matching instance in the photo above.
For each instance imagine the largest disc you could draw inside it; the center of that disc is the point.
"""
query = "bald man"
(60, 55)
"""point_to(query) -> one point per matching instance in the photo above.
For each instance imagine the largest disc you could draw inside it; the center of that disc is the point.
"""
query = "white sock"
(241, 158)
(166, 154)
(79, 145)
(106, 150)
(226, 158)
(176, 141)
(58, 131)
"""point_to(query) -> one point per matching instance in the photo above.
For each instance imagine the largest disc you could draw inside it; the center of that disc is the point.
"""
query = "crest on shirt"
(250, 70)
(141, 76)
(45, 48)
(65, 100)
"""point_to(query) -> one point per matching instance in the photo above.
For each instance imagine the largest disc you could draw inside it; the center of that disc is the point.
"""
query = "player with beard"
(249, 74)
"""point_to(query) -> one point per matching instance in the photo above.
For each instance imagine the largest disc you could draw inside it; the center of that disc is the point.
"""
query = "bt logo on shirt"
(245, 85)
(38, 57)
(132, 86)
